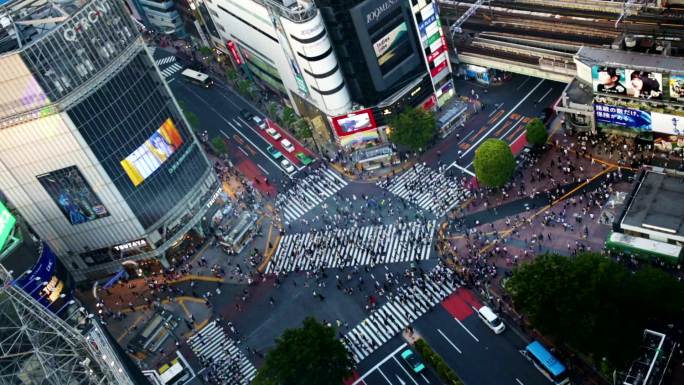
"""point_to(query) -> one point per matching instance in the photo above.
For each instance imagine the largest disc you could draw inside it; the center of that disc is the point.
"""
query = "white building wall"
(334, 104)
(48, 144)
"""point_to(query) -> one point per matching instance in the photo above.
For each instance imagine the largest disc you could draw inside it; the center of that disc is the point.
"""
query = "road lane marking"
(243, 151)
(386, 379)
(523, 83)
(405, 371)
(466, 329)
(502, 120)
(465, 170)
(547, 92)
(401, 382)
(360, 379)
(466, 137)
(424, 378)
(519, 382)
(262, 169)
(512, 128)
(449, 341)
(496, 109)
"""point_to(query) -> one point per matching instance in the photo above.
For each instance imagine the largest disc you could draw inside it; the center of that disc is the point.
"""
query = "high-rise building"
(351, 64)
(95, 154)
(162, 16)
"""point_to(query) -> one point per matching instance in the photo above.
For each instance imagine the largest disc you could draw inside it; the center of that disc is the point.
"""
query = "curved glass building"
(95, 154)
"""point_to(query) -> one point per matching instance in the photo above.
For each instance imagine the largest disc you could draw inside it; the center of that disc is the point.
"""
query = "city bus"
(546, 363)
(197, 78)
(644, 249)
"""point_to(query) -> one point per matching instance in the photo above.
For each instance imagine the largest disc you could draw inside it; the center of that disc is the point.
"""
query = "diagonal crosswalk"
(214, 348)
(399, 242)
(309, 192)
(171, 70)
(165, 60)
(407, 305)
(427, 188)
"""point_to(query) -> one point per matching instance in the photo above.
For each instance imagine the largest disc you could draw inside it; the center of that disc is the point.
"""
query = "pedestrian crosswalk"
(171, 70)
(429, 189)
(342, 247)
(309, 192)
(165, 60)
(408, 304)
(226, 362)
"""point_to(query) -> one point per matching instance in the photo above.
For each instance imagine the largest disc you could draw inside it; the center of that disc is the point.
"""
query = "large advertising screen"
(355, 122)
(677, 86)
(385, 48)
(7, 222)
(73, 195)
(147, 158)
(628, 82)
(643, 121)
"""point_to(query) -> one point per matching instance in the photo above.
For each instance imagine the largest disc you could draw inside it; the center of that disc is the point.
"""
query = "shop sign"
(214, 197)
(234, 51)
(86, 21)
(130, 245)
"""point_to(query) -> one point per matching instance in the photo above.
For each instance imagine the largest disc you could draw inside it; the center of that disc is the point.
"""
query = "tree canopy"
(310, 355)
(494, 163)
(594, 304)
(414, 128)
(536, 134)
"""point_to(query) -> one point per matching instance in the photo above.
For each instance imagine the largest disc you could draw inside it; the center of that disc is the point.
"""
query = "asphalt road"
(386, 367)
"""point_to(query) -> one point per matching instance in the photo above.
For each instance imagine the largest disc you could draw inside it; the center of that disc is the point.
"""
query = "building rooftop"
(654, 205)
(647, 62)
(579, 92)
(25, 21)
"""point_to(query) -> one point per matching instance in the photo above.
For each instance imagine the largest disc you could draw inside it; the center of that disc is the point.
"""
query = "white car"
(273, 133)
(490, 319)
(259, 122)
(289, 168)
(287, 145)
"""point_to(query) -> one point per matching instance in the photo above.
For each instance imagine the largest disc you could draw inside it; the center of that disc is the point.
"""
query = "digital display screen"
(639, 120)
(608, 80)
(71, 192)
(385, 47)
(147, 158)
(353, 123)
(677, 86)
(628, 82)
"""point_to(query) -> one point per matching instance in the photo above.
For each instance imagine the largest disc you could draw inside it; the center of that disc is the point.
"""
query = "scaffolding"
(44, 346)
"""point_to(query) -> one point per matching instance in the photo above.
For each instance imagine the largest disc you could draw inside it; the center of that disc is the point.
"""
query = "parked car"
(246, 115)
(287, 166)
(287, 145)
(274, 153)
(259, 122)
(304, 158)
(490, 319)
(412, 361)
(273, 133)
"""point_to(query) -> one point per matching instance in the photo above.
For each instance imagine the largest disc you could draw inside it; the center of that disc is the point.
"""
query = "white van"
(491, 319)
(259, 122)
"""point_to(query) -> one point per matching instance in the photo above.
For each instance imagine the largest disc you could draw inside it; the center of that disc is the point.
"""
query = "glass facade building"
(95, 154)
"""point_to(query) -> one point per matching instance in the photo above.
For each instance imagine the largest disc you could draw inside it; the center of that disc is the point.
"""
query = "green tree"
(536, 132)
(494, 163)
(231, 74)
(303, 128)
(218, 145)
(414, 128)
(289, 116)
(310, 355)
(594, 304)
(190, 116)
(205, 51)
(245, 88)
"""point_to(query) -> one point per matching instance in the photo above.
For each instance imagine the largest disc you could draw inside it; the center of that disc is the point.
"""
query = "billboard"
(643, 84)
(73, 195)
(667, 124)
(354, 122)
(608, 80)
(156, 150)
(677, 86)
(7, 221)
(622, 116)
(385, 47)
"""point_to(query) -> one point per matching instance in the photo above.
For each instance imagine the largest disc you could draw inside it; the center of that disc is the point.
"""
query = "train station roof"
(656, 204)
(618, 58)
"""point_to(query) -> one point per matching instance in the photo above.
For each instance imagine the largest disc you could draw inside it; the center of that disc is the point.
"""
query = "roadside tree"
(310, 355)
(536, 134)
(494, 163)
(414, 128)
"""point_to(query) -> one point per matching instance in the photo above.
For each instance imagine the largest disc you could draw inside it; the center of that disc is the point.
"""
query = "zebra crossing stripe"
(212, 343)
(388, 320)
(309, 192)
(165, 60)
(370, 244)
(168, 72)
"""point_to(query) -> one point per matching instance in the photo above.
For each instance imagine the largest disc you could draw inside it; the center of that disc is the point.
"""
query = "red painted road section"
(350, 380)
(291, 156)
(249, 169)
(461, 303)
(519, 144)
